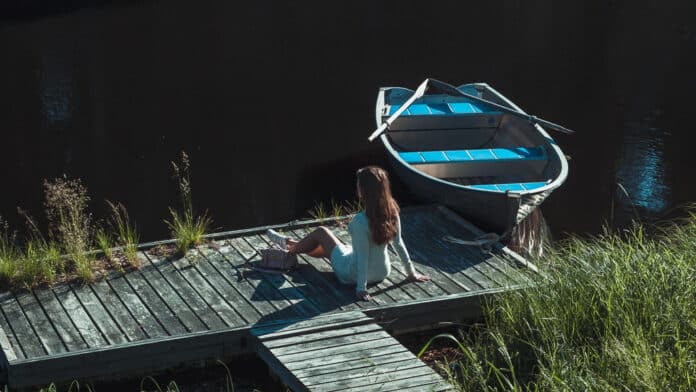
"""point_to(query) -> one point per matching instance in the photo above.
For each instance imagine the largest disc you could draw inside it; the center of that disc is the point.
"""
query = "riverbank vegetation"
(75, 246)
(618, 312)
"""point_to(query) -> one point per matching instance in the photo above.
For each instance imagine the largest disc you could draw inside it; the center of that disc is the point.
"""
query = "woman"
(367, 260)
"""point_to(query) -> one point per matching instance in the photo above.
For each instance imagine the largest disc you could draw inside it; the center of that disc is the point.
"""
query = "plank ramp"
(341, 352)
(178, 310)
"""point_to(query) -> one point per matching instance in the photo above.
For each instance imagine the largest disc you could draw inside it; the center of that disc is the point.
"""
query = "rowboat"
(471, 149)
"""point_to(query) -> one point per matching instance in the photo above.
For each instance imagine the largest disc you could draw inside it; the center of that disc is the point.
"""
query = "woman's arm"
(360, 238)
(398, 243)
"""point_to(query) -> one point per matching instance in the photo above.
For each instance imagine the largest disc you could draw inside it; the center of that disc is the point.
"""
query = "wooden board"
(341, 357)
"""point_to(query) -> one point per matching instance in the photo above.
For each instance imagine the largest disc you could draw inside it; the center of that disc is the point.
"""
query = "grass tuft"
(319, 212)
(125, 232)
(9, 254)
(336, 210)
(69, 221)
(186, 226)
(617, 313)
(106, 244)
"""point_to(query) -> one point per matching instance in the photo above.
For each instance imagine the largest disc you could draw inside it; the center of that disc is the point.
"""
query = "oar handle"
(378, 131)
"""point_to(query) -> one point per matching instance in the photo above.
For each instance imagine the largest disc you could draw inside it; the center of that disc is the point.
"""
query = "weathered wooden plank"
(27, 337)
(132, 329)
(434, 387)
(375, 375)
(262, 289)
(472, 255)
(361, 353)
(154, 304)
(192, 322)
(98, 313)
(8, 341)
(377, 292)
(433, 249)
(429, 289)
(320, 346)
(418, 242)
(422, 376)
(322, 300)
(279, 329)
(464, 259)
(140, 312)
(41, 324)
(331, 353)
(275, 285)
(512, 259)
(249, 313)
(234, 278)
(442, 274)
(209, 293)
(187, 293)
(129, 359)
(80, 319)
(355, 365)
(297, 292)
(322, 335)
(281, 371)
(325, 275)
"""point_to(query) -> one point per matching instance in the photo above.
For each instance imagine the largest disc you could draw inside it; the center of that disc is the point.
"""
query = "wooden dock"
(210, 305)
(339, 352)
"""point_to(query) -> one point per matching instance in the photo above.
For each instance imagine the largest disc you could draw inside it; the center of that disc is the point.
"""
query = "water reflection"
(642, 191)
(55, 89)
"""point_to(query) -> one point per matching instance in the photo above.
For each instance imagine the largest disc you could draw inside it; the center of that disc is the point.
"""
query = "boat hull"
(493, 212)
(497, 210)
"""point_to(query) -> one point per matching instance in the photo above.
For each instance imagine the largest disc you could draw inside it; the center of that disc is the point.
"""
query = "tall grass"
(106, 243)
(40, 259)
(618, 312)
(9, 254)
(335, 209)
(69, 221)
(125, 231)
(186, 226)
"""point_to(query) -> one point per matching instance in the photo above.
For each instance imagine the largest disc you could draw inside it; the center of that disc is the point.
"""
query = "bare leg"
(318, 243)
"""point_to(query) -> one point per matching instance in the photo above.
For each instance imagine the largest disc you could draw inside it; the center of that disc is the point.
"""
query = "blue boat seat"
(446, 116)
(488, 154)
(512, 187)
(443, 108)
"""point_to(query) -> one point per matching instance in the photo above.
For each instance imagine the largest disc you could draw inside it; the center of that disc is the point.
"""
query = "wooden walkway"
(342, 352)
(203, 306)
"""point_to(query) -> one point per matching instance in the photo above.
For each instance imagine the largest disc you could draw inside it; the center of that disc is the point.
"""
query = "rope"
(484, 241)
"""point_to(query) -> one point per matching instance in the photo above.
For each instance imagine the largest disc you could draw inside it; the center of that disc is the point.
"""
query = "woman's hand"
(363, 295)
(416, 277)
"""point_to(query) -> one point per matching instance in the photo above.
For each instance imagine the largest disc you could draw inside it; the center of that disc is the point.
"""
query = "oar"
(533, 119)
(419, 93)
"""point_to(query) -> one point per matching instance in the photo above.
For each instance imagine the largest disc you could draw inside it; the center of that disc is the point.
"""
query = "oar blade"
(420, 91)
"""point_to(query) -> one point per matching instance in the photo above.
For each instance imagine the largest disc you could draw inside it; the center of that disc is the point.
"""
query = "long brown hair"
(381, 209)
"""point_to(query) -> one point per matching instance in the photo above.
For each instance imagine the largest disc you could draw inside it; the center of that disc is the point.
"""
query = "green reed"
(186, 226)
(617, 312)
(125, 232)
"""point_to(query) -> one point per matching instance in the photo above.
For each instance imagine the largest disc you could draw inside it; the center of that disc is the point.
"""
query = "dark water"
(274, 100)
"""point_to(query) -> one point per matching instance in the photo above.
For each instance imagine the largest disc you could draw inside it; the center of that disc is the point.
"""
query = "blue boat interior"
(512, 187)
(486, 154)
(442, 108)
(494, 161)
